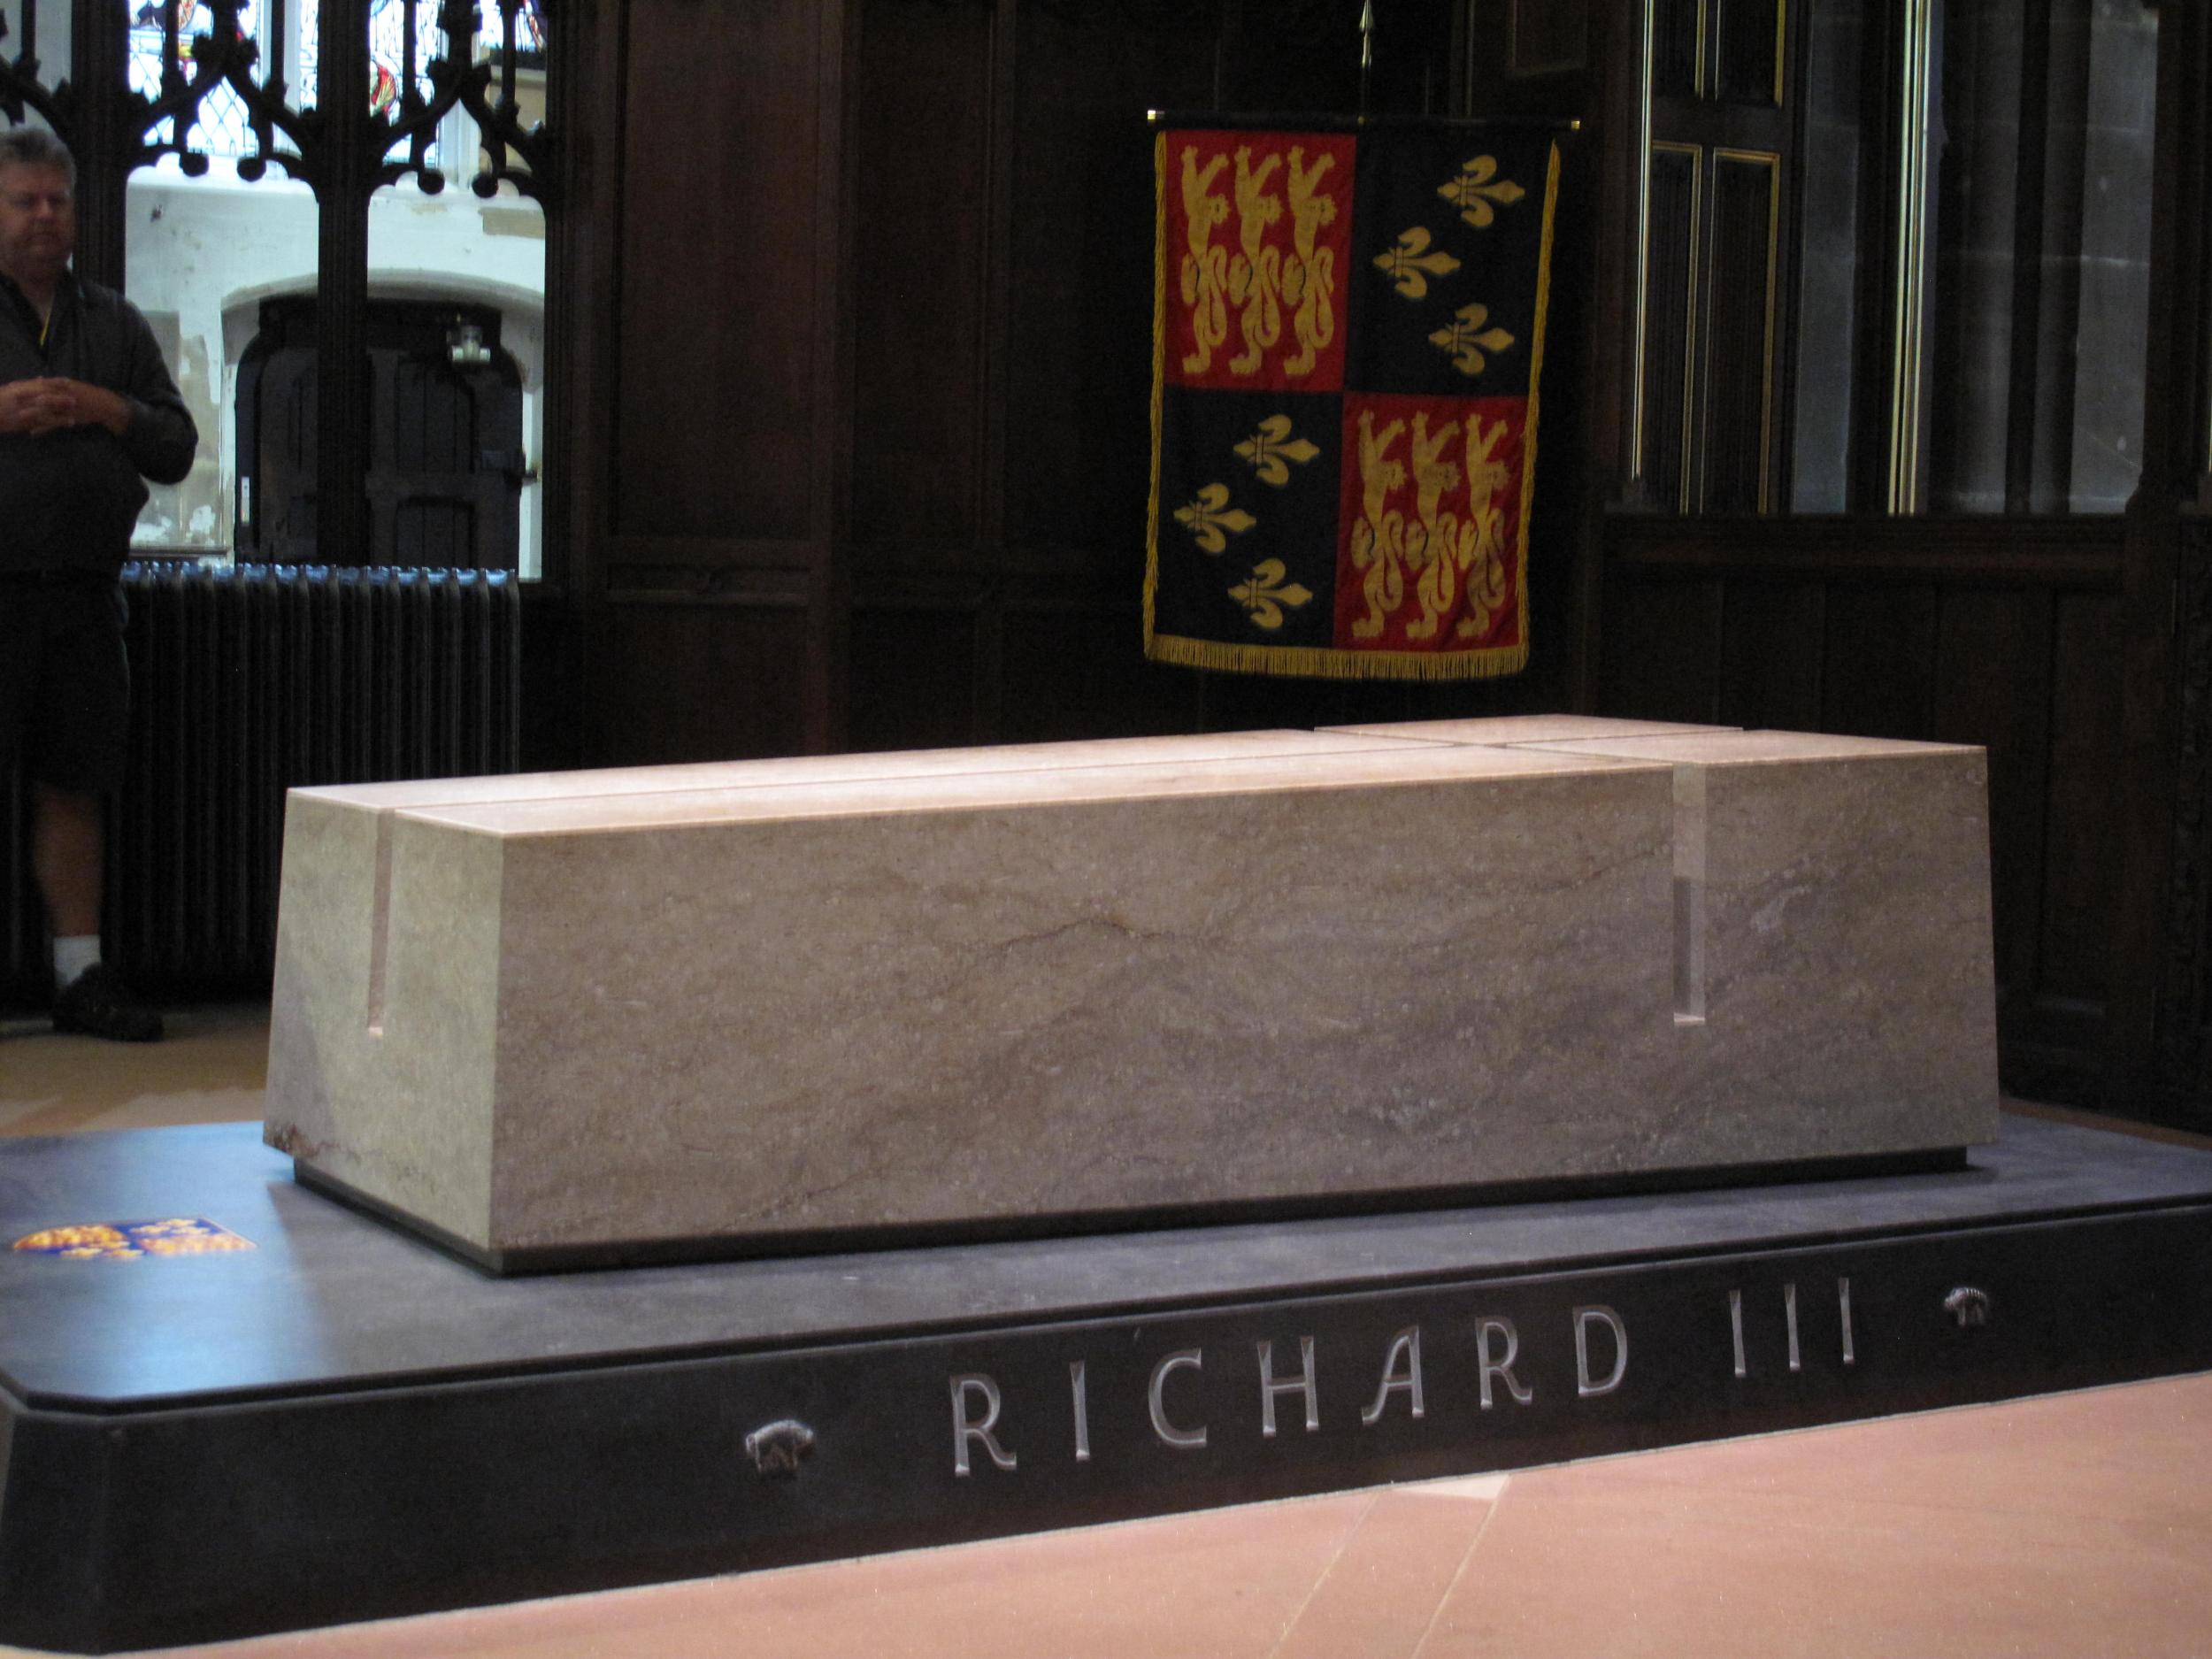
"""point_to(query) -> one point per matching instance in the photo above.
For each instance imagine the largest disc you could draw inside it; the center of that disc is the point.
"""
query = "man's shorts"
(65, 683)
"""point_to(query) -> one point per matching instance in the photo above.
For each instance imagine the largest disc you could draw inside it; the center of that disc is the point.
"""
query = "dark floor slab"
(331, 1299)
(342, 1422)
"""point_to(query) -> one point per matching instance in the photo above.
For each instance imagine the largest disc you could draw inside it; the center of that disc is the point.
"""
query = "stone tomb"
(761, 1006)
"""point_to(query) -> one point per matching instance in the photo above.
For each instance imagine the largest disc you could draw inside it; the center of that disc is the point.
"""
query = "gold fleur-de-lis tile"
(1265, 594)
(134, 1240)
(1267, 451)
(1467, 340)
(1212, 520)
(1477, 188)
(1411, 263)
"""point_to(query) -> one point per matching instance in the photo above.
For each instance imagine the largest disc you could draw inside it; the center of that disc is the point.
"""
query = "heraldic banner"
(1348, 333)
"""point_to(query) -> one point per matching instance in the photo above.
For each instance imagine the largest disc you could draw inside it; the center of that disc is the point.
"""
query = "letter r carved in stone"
(1500, 1367)
(965, 1428)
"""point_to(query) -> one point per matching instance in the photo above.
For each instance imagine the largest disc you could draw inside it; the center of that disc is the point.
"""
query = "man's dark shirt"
(68, 500)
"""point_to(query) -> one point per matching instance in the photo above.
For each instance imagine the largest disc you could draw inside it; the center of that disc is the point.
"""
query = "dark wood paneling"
(1079, 323)
(1771, 655)
(922, 125)
(1750, 51)
(688, 679)
(1669, 285)
(1678, 40)
(1077, 673)
(2080, 884)
(1740, 333)
(1878, 673)
(1993, 687)
(1245, 701)
(1548, 37)
(2183, 1072)
(916, 678)
(721, 286)
(1662, 649)
(2043, 553)
(1304, 55)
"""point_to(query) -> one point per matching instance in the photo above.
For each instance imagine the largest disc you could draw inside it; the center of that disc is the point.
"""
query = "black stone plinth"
(343, 1422)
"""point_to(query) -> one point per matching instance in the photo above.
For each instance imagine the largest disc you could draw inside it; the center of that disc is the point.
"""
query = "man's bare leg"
(65, 856)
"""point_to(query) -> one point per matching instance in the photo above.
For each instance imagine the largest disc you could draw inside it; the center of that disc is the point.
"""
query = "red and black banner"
(1349, 333)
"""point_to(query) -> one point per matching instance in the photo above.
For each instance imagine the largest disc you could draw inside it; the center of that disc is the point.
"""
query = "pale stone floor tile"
(1486, 1488)
(1586, 1561)
(59, 1116)
(2132, 1452)
(210, 1069)
(1380, 1596)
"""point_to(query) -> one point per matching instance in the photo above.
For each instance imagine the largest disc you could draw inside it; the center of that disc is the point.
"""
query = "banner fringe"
(1314, 661)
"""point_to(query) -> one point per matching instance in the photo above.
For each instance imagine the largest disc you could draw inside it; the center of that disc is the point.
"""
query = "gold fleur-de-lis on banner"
(1405, 264)
(1473, 191)
(1272, 445)
(1210, 515)
(1266, 593)
(1467, 339)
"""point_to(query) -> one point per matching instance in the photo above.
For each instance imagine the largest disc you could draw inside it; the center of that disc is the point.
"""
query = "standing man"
(88, 412)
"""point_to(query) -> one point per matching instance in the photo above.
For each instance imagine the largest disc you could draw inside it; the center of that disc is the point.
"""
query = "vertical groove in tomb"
(1689, 895)
(379, 924)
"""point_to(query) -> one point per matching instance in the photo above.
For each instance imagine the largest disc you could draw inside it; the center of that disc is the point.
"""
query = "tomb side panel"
(1850, 990)
(1060, 1009)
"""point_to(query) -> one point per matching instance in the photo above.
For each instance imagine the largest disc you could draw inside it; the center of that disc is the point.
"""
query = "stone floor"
(2068, 1525)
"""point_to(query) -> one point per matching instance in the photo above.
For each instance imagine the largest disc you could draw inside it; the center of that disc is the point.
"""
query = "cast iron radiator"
(248, 681)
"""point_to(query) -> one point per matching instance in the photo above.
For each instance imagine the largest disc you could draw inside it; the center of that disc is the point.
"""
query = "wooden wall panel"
(1545, 37)
(720, 284)
(1750, 53)
(1877, 672)
(1993, 687)
(1771, 655)
(916, 677)
(1662, 659)
(1078, 312)
(1240, 702)
(1739, 335)
(2080, 886)
(1670, 334)
(704, 681)
(1076, 672)
(2183, 1070)
(1678, 38)
(920, 268)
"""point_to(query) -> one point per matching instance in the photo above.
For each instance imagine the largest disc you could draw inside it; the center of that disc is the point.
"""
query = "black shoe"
(96, 1004)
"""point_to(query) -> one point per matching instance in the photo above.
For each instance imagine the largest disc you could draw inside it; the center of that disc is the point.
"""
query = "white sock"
(72, 956)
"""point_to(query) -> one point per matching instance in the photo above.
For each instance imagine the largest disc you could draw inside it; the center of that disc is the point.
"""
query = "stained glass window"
(221, 127)
(388, 54)
(529, 31)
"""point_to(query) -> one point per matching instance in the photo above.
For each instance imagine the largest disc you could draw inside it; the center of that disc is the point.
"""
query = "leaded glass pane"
(388, 54)
(222, 127)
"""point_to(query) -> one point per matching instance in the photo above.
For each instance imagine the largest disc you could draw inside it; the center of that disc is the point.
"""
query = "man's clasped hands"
(55, 404)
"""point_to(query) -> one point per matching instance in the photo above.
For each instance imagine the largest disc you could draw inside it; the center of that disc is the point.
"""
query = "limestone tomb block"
(892, 999)
(788, 999)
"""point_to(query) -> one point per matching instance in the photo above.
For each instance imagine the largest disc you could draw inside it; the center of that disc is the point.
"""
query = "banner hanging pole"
(1366, 51)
